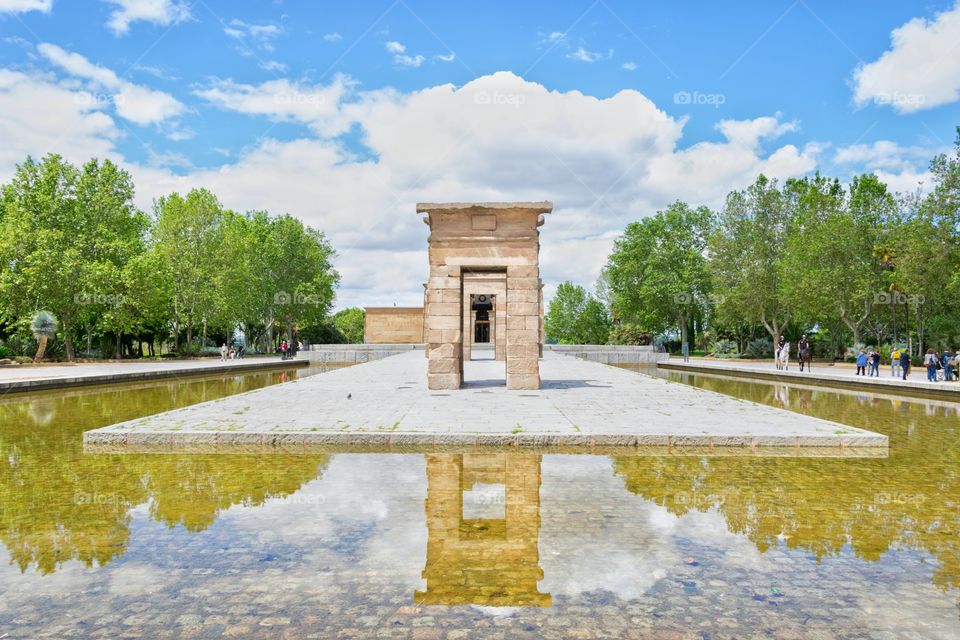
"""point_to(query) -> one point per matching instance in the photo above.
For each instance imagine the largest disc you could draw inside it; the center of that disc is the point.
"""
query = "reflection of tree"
(59, 504)
(192, 490)
(910, 500)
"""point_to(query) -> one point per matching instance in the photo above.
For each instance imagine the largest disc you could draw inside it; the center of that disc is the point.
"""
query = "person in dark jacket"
(905, 363)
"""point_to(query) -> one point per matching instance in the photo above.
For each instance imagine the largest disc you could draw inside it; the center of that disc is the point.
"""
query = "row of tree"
(73, 243)
(846, 262)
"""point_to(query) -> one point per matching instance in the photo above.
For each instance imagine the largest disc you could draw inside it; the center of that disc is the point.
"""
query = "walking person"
(862, 363)
(895, 362)
(223, 351)
(283, 350)
(949, 365)
(930, 361)
(874, 363)
(905, 363)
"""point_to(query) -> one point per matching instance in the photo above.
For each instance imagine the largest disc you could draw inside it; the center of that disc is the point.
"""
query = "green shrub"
(759, 348)
(630, 334)
(725, 349)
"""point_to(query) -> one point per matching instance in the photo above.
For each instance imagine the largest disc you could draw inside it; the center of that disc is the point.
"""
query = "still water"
(498, 545)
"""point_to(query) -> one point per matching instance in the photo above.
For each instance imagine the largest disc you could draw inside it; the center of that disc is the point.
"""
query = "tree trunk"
(189, 333)
(116, 352)
(68, 342)
(89, 330)
(41, 347)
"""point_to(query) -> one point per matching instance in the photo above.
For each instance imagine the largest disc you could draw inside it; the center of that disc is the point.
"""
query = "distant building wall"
(393, 325)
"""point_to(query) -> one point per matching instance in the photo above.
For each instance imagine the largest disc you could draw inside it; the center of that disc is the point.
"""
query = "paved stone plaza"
(386, 403)
(61, 376)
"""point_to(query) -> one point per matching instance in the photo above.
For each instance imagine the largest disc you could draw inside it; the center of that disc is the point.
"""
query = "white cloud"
(902, 168)
(401, 58)
(261, 35)
(39, 117)
(584, 55)
(603, 162)
(136, 103)
(162, 12)
(450, 57)
(920, 71)
(284, 100)
(273, 66)
(22, 6)
(332, 37)
(629, 66)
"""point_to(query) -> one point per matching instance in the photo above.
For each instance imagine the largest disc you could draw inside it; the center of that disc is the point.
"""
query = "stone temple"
(484, 289)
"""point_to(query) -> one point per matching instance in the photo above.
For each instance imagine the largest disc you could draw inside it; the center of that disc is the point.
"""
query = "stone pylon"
(470, 241)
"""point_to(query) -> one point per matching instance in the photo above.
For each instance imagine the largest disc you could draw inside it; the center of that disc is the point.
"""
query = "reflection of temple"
(483, 518)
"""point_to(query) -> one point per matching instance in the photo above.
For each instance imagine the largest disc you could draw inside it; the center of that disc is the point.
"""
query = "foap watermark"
(298, 98)
(899, 99)
(497, 98)
(84, 497)
(106, 299)
(884, 497)
(282, 298)
(895, 297)
(97, 99)
(688, 298)
(699, 99)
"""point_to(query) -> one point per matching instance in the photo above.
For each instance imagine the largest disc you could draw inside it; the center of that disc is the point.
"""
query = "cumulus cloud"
(401, 58)
(603, 162)
(39, 117)
(283, 100)
(902, 168)
(920, 71)
(136, 103)
(22, 6)
(332, 37)
(162, 12)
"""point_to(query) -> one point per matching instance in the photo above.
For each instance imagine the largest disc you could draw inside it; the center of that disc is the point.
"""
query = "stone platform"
(385, 404)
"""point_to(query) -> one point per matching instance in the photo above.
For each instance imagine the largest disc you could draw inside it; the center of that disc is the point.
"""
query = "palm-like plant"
(44, 327)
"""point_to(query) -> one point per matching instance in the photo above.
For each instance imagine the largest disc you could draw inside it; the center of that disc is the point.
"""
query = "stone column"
(444, 339)
(523, 327)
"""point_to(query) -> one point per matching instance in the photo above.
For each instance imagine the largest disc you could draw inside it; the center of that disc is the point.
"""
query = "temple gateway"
(484, 290)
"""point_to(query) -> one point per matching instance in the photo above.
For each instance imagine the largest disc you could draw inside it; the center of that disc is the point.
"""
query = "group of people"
(231, 352)
(868, 363)
(289, 349)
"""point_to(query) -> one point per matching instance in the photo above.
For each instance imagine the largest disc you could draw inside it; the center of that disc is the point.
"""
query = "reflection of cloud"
(366, 512)
(588, 544)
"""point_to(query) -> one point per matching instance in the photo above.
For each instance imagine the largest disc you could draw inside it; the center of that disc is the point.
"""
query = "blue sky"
(346, 114)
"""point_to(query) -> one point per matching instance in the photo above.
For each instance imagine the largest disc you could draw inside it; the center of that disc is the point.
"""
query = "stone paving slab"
(38, 378)
(840, 376)
(385, 403)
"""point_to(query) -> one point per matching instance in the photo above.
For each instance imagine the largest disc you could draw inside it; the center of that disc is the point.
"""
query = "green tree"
(832, 261)
(350, 323)
(747, 253)
(575, 317)
(186, 233)
(65, 236)
(297, 262)
(658, 269)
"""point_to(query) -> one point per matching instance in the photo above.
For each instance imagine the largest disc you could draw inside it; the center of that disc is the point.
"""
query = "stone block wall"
(393, 325)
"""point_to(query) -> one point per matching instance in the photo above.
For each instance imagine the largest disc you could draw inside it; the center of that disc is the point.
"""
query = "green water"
(476, 545)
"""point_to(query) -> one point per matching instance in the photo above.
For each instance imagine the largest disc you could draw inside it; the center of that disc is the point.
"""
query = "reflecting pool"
(499, 544)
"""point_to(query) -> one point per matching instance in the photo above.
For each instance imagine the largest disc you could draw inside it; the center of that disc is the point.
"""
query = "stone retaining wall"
(610, 354)
(353, 353)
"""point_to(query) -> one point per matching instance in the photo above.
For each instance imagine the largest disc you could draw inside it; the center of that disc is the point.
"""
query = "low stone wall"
(610, 353)
(353, 353)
